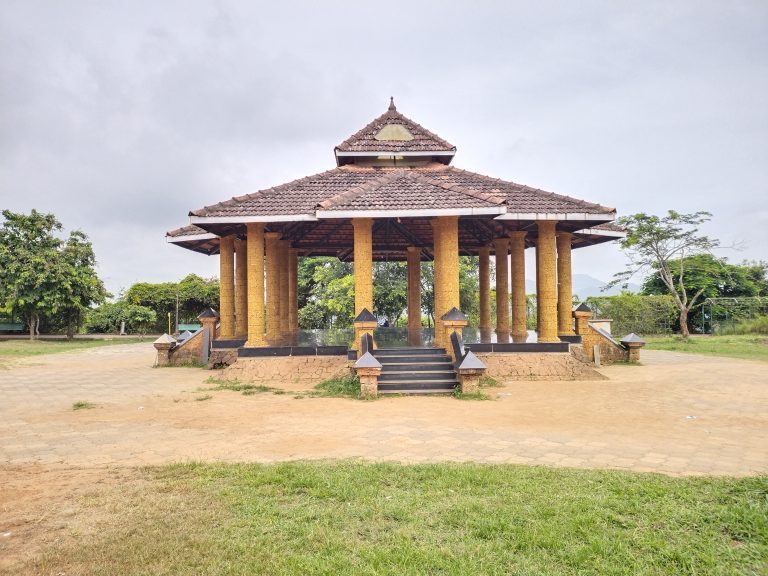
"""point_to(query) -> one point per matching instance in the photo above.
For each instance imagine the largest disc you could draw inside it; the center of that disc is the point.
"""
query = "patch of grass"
(479, 395)
(387, 519)
(750, 347)
(203, 398)
(347, 386)
(82, 405)
(236, 386)
(187, 364)
(17, 348)
(490, 382)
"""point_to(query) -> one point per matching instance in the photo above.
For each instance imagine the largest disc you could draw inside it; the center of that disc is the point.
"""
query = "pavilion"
(394, 195)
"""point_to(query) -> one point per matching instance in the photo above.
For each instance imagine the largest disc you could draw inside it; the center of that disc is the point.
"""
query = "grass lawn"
(749, 346)
(16, 348)
(358, 518)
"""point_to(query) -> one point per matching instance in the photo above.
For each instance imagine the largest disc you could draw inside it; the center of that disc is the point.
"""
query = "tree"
(41, 275)
(714, 278)
(668, 245)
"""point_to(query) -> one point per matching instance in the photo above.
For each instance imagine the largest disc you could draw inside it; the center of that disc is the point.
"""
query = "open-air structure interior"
(394, 194)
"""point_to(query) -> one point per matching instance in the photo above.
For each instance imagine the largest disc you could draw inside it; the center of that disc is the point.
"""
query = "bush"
(757, 326)
(636, 313)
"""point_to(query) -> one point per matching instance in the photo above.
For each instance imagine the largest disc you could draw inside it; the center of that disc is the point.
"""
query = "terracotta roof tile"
(364, 140)
(365, 188)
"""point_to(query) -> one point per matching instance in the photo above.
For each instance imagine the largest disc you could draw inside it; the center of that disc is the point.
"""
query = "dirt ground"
(676, 414)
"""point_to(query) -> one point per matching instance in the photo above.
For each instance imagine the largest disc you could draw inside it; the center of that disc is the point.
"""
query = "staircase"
(415, 371)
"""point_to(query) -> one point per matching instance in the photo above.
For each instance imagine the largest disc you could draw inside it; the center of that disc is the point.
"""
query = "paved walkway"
(676, 414)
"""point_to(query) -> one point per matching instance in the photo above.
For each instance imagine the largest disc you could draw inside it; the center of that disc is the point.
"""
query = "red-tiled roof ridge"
(525, 187)
(260, 193)
(363, 136)
(455, 187)
(353, 193)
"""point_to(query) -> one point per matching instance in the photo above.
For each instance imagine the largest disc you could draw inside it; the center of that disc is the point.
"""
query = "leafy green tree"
(390, 290)
(656, 243)
(139, 318)
(42, 275)
(714, 278)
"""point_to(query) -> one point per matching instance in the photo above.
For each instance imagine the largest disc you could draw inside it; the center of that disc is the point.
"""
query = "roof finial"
(392, 104)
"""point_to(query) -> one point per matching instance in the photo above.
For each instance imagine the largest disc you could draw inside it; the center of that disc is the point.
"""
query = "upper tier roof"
(393, 134)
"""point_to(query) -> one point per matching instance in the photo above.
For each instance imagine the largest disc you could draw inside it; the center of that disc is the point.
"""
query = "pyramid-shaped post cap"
(367, 361)
(582, 307)
(454, 314)
(208, 313)
(632, 340)
(365, 316)
(165, 339)
(471, 362)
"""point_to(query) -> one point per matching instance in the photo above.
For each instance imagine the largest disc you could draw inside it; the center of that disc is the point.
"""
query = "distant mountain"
(585, 286)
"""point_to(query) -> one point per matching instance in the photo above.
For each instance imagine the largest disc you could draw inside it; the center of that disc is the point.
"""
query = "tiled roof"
(435, 185)
(423, 140)
(190, 230)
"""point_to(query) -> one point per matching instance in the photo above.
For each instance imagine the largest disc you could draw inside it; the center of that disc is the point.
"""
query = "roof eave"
(559, 216)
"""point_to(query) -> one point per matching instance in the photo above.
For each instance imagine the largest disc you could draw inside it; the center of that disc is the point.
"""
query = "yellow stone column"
(255, 251)
(485, 293)
(284, 246)
(519, 329)
(546, 280)
(227, 287)
(272, 240)
(414, 295)
(450, 251)
(437, 280)
(241, 289)
(564, 285)
(363, 258)
(501, 247)
(293, 294)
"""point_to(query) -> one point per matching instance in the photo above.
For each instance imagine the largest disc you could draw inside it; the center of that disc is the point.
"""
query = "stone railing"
(599, 346)
(468, 366)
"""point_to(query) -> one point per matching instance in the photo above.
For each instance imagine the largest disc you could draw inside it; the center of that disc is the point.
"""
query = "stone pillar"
(241, 290)
(437, 279)
(582, 313)
(414, 296)
(164, 345)
(363, 255)
(227, 287)
(485, 294)
(293, 295)
(519, 328)
(283, 248)
(272, 240)
(450, 252)
(564, 285)
(500, 246)
(546, 281)
(255, 240)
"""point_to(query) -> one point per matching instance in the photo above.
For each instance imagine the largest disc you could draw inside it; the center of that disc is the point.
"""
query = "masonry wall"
(538, 366)
(190, 352)
(287, 372)
(609, 352)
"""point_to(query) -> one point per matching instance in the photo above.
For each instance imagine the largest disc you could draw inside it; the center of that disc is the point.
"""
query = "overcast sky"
(120, 117)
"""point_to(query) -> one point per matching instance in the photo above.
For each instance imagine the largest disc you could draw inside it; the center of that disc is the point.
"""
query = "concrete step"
(417, 376)
(417, 367)
(407, 351)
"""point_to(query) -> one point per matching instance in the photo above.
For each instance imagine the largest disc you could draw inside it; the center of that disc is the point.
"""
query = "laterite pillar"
(363, 255)
(500, 246)
(272, 240)
(255, 240)
(564, 285)
(519, 328)
(293, 294)
(227, 287)
(241, 290)
(283, 303)
(450, 253)
(414, 296)
(485, 293)
(546, 281)
(437, 280)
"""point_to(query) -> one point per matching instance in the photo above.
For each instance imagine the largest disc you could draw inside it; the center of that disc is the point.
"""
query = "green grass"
(347, 386)
(18, 348)
(751, 347)
(352, 518)
(236, 386)
(82, 405)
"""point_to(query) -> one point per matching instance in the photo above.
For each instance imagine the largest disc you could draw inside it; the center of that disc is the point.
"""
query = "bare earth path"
(676, 414)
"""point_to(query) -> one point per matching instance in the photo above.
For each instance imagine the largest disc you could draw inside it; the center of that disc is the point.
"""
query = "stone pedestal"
(368, 369)
(164, 345)
(632, 342)
(470, 371)
(208, 318)
(365, 323)
(582, 313)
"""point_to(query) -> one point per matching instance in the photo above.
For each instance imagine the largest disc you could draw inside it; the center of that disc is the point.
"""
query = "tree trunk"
(684, 323)
(31, 325)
